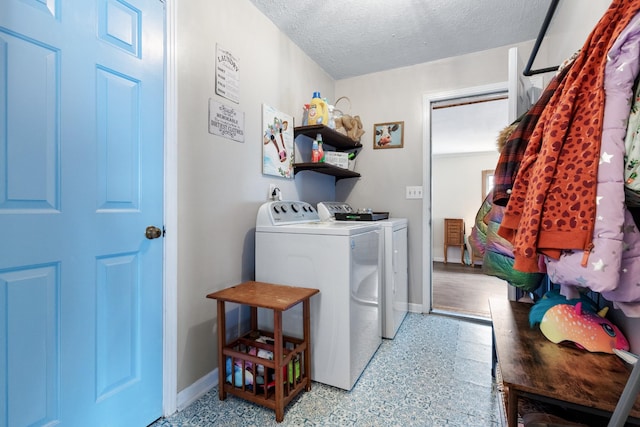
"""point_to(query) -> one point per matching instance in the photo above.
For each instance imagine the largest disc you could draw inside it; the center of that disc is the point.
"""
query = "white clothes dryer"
(293, 247)
(394, 266)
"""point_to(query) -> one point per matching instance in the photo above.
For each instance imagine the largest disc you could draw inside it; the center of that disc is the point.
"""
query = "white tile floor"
(436, 372)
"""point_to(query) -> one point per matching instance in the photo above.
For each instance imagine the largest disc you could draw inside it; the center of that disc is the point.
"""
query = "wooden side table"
(454, 236)
(291, 363)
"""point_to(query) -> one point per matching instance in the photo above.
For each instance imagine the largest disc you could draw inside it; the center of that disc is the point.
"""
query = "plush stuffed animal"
(577, 321)
(349, 126)
(236, 376)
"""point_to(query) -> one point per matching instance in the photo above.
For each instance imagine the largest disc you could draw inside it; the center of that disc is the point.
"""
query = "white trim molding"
(170, 314)
(198, 389)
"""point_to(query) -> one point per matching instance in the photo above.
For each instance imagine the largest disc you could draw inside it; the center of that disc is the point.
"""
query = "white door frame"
(170, 288)
(427, 232)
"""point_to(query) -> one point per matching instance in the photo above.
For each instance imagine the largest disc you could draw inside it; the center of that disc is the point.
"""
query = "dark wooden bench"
(531, 366)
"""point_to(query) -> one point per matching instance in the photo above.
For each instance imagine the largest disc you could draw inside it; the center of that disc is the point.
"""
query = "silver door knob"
(152, 232)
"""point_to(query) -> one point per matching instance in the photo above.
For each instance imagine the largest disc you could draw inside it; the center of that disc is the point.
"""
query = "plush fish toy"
(576, 320)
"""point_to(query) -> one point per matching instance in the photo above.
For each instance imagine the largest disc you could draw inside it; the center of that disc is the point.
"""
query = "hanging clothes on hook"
(511, 155)
(553, 202)
(614, 265)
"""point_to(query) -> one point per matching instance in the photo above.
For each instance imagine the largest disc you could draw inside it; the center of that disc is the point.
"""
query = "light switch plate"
(414, 192)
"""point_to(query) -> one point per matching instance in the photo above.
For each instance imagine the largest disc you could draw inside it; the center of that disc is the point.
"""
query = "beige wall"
(220, 182)
(569, 29)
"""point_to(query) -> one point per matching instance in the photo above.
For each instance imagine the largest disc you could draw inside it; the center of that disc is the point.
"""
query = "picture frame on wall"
(277, 143)
(388, 135)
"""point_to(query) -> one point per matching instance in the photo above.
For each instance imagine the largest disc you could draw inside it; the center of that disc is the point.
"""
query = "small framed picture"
(388, 135)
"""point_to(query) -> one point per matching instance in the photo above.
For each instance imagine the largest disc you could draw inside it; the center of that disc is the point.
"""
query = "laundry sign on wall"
(226, 121)
(227, 75)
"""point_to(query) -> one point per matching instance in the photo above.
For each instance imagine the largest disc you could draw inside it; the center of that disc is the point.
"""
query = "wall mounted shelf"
(326, 169)
(331, 138)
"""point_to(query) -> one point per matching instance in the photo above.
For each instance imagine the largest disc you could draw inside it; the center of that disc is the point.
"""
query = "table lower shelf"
(250, 369)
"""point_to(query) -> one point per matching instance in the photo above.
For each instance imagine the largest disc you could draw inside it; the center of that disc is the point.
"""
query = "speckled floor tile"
(436, 372)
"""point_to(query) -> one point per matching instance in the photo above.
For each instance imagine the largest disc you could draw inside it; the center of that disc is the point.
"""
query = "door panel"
(30, 302)
(81, 144)
(31, 170)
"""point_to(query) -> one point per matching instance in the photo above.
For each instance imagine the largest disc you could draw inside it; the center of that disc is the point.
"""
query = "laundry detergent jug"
(318, 111)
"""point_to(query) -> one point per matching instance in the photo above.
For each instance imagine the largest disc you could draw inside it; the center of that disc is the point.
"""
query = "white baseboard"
(196, 390)
(415, 308)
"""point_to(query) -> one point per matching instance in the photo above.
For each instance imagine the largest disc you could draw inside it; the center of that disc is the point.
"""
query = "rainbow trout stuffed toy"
(576, 320)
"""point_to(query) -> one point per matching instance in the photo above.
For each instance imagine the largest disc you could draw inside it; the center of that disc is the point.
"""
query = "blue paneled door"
(81, 179)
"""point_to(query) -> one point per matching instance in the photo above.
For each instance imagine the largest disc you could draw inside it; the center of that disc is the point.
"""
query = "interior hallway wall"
(220, 181)
(457, 193)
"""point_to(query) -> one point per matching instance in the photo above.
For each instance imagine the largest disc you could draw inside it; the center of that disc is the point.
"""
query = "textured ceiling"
(354, 37)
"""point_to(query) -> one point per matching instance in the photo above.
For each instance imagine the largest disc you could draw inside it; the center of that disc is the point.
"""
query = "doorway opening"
(461, 128)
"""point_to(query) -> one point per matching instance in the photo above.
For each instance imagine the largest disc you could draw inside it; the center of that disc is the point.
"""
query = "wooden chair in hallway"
(454, 236)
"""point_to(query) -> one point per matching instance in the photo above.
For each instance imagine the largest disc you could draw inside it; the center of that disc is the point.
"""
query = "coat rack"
(543, 30)
(632, 388)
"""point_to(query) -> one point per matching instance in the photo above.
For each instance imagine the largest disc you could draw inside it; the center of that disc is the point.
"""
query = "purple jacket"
(614, 263)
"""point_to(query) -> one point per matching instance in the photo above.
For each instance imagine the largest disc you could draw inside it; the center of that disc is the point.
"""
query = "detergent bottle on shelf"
(318, 112)
(315, 153)
(320, 149)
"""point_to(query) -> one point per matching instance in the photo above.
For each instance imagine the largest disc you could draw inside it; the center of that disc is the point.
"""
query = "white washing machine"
(394, 267)
(293, 247)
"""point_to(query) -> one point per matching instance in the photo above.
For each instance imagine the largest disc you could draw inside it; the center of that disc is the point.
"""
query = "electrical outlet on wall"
(414, 192)
(274, 193)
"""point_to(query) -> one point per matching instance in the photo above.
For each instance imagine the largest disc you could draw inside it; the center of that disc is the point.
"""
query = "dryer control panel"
(286, 212)
(327, 210)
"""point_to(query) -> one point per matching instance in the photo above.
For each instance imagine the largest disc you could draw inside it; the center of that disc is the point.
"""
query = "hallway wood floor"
(464, 289)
